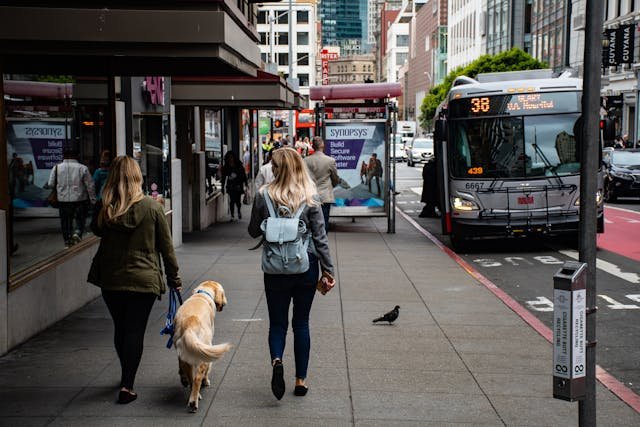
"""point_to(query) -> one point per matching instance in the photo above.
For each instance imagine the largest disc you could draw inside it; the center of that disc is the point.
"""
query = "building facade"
(464, 43)
(507, 25)
(388, 15)
(548, 35)
(397, 44)
(353, 69)
(275, 40)
(620, 85)
(427, 55)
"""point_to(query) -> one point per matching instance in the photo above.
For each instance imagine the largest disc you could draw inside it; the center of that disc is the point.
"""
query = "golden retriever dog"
(193, 336)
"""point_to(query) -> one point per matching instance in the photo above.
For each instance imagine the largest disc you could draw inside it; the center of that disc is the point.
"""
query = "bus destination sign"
(515, 104)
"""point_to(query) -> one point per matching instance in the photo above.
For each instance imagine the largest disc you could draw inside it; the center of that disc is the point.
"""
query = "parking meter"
(569, 337)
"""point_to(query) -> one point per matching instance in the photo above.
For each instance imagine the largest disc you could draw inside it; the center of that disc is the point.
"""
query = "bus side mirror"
(440, 131)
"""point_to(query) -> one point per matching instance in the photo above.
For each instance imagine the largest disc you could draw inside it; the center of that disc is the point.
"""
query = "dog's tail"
(205, 352)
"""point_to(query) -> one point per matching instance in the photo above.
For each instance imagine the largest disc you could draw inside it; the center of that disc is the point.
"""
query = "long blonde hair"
(122, 189)
(292, 185)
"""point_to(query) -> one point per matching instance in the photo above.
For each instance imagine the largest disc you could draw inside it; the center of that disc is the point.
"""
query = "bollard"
(569, 322)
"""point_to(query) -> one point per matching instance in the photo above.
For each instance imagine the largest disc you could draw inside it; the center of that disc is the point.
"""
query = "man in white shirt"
(76, 190)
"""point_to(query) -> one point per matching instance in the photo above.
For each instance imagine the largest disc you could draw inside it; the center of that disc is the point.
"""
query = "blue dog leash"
(169, 328)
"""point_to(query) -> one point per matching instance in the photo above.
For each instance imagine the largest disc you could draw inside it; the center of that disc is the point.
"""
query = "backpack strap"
(299, 211)
(267, 199)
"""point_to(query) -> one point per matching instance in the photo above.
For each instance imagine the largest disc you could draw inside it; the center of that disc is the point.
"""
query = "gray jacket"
(311, 215)
(324, 173)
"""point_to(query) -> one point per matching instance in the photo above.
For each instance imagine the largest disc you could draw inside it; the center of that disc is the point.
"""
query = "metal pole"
(271, 36)
(290, 20)
(636, 130)
(589, 147)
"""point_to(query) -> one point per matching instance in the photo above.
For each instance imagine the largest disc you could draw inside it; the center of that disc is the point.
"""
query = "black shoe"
(277, 380)
(125, 396)
(301, 390)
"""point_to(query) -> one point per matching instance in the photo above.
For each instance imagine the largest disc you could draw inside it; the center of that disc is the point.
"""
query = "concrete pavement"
(456, 356)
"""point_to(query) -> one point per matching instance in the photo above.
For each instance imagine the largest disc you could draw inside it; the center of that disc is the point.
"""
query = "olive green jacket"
(128, 258)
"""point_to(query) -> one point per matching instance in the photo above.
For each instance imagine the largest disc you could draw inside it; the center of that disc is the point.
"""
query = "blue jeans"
(280, 289)
(326, 208)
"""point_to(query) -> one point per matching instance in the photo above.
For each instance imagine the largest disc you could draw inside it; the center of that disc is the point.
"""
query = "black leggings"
(234, 200)
(130, 312)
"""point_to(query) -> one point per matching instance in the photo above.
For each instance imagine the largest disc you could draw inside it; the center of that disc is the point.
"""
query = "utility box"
(569, 335)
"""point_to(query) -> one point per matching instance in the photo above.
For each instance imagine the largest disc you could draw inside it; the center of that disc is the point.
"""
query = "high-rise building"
(344, 23)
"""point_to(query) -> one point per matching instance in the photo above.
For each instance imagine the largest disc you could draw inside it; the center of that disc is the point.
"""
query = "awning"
(265, 91)
(172, 37)
(355, 91)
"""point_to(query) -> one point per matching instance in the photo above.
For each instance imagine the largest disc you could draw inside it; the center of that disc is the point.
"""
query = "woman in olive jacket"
(135, 234)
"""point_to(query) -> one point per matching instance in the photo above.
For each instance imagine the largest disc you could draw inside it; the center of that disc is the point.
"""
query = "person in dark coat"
(234, 180)
(429, 190)
(135, 237)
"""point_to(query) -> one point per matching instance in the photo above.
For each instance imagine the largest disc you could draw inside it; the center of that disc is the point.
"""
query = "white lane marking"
(548, 259)
(410, 211)
(615, 305)
(246, 320)
(608, 221)
(514, 260)
(623, 210)
(541, 304)
(607, 267)
(630, 220)
(400, 202)
(417, 190)
(634, 297)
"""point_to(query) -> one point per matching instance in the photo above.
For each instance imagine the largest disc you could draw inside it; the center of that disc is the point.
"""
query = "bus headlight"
(599, 199)
(461, 204)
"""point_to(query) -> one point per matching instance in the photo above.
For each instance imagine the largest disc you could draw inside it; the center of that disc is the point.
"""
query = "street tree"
(511, 60)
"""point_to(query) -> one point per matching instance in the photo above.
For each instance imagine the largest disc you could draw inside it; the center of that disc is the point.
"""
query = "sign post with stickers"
(569, 331)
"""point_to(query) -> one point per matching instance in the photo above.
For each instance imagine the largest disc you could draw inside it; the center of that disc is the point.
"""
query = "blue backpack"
(286, 240)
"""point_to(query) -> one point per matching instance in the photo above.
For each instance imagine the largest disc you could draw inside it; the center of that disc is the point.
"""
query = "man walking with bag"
(324, 173)
(75, 189)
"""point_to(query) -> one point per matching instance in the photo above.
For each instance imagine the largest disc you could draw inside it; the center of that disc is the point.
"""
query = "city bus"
(508, 157)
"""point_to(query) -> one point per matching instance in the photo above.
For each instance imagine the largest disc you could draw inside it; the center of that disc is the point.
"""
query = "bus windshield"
(514, 147)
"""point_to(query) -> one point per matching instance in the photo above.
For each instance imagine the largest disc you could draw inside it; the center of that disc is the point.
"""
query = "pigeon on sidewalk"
(390, 316)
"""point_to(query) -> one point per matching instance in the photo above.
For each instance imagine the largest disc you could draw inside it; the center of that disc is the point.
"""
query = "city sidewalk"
(456, 355)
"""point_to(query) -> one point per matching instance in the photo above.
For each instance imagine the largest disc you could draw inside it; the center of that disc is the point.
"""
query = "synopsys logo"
(360, 132)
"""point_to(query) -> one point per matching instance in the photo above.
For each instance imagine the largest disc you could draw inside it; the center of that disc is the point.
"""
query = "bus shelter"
(357, 123)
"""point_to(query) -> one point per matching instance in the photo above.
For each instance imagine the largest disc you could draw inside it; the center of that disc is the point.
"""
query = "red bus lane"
(621, 232)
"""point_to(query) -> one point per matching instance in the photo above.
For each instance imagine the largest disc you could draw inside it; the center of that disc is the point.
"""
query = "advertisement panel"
(33, 149)
(359, 151)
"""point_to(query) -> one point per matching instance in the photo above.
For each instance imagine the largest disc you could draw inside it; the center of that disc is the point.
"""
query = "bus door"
(440, 151)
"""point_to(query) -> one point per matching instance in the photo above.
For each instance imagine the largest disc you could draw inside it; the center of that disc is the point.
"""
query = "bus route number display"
(515, 104)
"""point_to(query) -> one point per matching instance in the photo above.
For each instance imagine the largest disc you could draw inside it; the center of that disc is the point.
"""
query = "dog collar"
(200, 291)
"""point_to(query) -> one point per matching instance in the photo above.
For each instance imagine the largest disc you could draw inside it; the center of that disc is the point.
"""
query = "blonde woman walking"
(135, 234)
(292, 186)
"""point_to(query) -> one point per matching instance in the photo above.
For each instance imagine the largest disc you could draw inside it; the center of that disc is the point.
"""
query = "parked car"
(419, 150)
(622, 174)
(400, 153)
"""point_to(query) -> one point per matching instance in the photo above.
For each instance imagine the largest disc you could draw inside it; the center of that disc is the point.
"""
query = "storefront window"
(213, 150)
(151, 150)
(50, 119)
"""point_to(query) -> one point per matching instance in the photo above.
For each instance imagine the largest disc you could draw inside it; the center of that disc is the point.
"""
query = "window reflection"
(47, 116)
